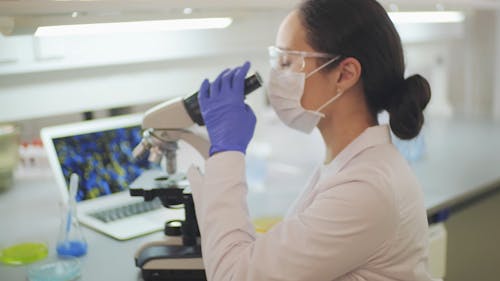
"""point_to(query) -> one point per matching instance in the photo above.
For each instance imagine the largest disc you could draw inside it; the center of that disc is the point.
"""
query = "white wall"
(496, 77)
(53, 76)
(480, 63)
(432, 60)
(462, 66)
(61, 76)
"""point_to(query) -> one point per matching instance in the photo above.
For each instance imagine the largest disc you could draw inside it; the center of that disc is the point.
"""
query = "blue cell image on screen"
(103, 160)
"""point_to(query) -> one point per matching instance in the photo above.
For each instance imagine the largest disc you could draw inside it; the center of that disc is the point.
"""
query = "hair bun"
(406, 112)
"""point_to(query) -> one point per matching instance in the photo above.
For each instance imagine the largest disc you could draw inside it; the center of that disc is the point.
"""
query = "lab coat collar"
(372, 136)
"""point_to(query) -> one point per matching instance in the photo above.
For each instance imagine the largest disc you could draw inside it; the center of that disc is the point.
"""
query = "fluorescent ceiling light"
(137, 26)
(426, 17)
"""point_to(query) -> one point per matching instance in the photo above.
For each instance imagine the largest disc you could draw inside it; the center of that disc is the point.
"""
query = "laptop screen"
(103, 160)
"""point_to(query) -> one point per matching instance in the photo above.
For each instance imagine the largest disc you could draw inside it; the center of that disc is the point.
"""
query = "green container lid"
(24, 253)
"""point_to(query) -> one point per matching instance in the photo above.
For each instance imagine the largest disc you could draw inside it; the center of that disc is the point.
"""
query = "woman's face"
(318, 88)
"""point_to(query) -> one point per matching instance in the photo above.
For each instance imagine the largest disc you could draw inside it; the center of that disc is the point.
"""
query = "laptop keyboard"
(125, 211)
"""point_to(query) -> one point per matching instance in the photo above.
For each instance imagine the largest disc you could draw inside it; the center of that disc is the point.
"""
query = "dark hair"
(363, 30)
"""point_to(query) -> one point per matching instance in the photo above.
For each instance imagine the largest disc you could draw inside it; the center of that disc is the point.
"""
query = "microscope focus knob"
(140, 149)
(155, 155)
(173, 228)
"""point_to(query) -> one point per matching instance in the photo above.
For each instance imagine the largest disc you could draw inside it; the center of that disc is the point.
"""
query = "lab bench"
(460, 166)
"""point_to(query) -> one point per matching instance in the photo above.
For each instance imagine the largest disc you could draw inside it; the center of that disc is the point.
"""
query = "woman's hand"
(230, 122)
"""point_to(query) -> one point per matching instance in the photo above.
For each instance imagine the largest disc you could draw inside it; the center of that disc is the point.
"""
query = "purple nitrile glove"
(230, 121)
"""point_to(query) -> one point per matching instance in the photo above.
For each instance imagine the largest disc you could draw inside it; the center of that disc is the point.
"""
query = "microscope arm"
(158, 137)
(167, 122)
(201, 144)
(171, 114)
(182, 113)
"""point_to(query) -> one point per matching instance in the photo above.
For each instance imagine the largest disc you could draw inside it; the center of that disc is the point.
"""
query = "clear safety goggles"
(294, 61)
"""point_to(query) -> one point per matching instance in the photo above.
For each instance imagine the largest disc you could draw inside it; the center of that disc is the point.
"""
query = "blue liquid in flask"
(72, 248)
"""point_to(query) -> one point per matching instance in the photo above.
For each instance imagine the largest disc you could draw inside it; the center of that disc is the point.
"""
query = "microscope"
(179, 257)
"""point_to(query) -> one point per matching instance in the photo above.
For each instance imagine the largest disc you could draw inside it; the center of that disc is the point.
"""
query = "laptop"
(100, 152)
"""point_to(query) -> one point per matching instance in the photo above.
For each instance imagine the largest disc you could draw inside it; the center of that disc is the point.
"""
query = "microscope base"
(161, 262)
(173, 275)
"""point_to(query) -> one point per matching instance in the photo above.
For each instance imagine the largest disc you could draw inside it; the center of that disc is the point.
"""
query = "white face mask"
(285, 90)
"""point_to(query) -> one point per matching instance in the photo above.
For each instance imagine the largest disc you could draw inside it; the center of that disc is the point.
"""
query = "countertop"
(461, 161)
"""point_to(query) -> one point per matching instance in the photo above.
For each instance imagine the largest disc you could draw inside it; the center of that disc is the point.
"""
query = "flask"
(71, 241)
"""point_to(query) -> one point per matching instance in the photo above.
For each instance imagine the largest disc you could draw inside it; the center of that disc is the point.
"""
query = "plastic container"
(61, 269)
(9, 154)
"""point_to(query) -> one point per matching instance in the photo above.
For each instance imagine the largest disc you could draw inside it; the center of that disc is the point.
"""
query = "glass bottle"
(71, 241)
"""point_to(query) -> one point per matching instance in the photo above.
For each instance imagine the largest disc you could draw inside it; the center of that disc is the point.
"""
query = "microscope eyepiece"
(252, 83)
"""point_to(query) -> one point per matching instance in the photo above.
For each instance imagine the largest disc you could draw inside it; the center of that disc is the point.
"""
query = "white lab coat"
(362, 217)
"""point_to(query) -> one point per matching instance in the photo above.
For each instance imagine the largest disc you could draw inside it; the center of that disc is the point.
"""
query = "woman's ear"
(349, 73)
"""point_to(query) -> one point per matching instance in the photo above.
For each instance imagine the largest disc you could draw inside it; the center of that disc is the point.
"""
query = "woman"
(336, 64)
